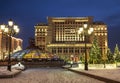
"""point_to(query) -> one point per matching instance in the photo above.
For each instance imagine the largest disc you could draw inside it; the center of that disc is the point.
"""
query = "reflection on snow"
(50, 75)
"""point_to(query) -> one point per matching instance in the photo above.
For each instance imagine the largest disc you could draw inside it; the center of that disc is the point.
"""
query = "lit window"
(56, 38)
(45, 30)
(45, 34)
(83, 38)
(105, 28)
(105, 43)
(105, 33)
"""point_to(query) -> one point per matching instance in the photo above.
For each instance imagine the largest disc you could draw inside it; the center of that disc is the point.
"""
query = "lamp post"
(85, 30)
(11, 29)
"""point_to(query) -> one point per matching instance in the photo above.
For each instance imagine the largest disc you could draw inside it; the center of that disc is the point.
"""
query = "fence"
(99, 66)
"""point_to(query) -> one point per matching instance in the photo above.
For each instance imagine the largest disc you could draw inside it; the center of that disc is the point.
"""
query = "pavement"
(4, 73)
(106, 75)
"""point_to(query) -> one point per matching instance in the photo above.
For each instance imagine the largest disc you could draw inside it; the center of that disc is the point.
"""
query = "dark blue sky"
(27, 13)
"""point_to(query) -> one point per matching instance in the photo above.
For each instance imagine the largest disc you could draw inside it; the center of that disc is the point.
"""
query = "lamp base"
(9, 68)
(86, 66)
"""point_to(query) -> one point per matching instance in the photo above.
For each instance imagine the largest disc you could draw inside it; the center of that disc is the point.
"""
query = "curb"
(11, 75)
(94, 76)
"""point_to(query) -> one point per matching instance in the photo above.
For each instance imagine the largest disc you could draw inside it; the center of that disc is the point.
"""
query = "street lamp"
(11, 29)
(85, 30)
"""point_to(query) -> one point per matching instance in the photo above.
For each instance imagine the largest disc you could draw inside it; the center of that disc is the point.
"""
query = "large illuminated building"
(60, 36)
(16, 44)
(41, 33)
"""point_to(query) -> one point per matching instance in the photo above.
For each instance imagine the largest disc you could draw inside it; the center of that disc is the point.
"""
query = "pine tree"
(110, 56)
(116, 53)
(95, 54)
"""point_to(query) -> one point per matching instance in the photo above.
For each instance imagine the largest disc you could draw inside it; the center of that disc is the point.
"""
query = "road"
(49, 75)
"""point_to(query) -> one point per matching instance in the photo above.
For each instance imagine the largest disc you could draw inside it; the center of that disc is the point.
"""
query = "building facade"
(41, 31)
(101, 33)
(60, 36)
(16, 44)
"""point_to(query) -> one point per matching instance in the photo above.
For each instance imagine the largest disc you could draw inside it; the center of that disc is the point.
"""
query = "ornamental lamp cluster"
(84, 28)
(10, 29)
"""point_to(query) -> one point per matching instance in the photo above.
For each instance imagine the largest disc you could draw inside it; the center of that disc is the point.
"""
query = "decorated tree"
(110, 58)
(116, 54)
(95, 54)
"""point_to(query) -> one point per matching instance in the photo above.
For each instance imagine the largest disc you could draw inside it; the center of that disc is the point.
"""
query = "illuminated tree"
(95, 54)
(110, 57)
(116, 54)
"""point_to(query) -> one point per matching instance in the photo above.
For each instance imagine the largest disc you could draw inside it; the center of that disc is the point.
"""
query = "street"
(49, 75)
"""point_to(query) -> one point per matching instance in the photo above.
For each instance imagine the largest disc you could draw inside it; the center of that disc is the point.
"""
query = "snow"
(113, 74)
(58, 75)
(18, 66)
(4, 71)
(49, 75)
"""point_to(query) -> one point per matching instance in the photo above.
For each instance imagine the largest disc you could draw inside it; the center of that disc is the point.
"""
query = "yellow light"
(105, 33)
(2, 27)
(91, 29)
(17, 30)
(45, 34)
(6, 30)
(85, 26)
(89, 32)
(105, 28)
(15, 27)
(80, 30)
(10, 22)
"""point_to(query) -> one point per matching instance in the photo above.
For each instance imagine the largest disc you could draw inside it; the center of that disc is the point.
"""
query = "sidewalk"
(4, 73)
(106, 75)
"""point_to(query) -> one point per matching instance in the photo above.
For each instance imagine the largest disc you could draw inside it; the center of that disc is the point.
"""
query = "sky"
(27, 13)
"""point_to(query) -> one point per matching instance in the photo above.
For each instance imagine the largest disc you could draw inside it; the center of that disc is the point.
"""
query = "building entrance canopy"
(30, 54)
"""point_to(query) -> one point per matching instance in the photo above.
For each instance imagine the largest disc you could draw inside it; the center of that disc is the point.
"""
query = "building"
(41, 31)
(16, 44)
(100, 31)
(60, 36)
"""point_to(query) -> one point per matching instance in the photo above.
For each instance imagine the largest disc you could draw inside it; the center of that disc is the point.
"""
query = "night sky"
(27, 13)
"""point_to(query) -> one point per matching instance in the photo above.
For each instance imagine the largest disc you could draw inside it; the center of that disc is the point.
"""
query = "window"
(54, 51)
(65, 50)
(71, 50)
(59, 50)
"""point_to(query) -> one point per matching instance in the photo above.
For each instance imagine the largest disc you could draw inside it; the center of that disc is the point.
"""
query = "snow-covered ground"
(113, 74)
(49, 75)
(4, 71)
